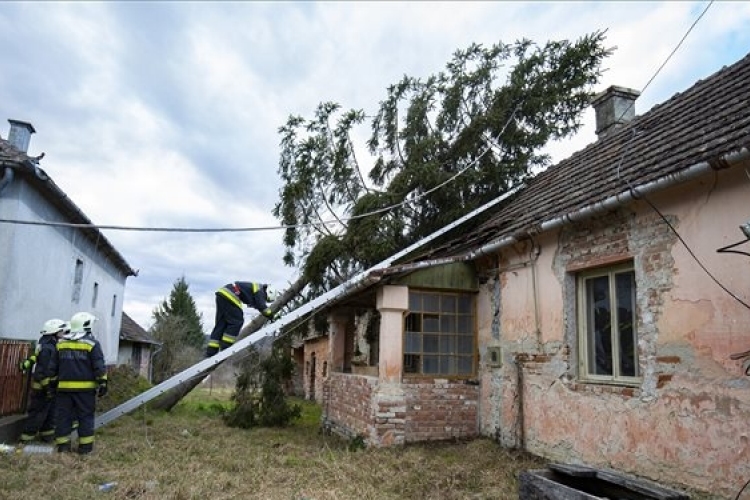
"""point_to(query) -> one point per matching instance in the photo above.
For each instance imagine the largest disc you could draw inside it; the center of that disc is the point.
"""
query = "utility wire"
(271, 228)
(638, 195)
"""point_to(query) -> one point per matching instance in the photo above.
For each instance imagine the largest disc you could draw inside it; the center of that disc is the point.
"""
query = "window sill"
(601, 387)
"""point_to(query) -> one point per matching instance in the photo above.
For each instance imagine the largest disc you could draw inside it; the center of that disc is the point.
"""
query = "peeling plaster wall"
(687, 423)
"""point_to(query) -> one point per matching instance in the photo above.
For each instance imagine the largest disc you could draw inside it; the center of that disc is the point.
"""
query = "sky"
(166, 114)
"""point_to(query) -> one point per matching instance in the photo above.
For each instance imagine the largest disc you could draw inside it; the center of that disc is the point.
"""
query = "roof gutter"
(611, 203)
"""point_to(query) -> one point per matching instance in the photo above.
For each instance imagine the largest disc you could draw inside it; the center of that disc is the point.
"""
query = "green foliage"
(174, 354)
(259, 398)
(124, 383)
(440, 147)
(181, 304)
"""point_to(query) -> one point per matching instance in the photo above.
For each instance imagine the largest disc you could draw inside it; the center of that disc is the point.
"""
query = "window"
(607, 325)
(439, 337)
(114, 305)
(77, 281)
(95, 295)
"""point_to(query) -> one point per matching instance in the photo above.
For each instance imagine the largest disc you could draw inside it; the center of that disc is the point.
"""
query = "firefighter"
(81, 376)
(229, 317)
(41, 418)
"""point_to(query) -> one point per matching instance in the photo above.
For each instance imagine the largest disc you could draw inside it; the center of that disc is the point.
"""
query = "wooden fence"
(13, 384)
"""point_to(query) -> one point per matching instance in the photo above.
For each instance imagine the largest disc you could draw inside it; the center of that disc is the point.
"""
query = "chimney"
(20, 135)
(614, 107)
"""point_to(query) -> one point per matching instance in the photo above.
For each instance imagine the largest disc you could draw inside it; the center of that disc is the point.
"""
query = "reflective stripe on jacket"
(79, 364)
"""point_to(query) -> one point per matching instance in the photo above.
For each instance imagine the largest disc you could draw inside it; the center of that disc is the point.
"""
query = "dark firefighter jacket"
(245, 292)
(79, 365)
(45, 351)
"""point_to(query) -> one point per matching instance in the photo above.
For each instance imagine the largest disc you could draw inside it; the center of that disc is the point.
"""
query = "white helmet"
(82, 322)
(54, 326)
(271, 294)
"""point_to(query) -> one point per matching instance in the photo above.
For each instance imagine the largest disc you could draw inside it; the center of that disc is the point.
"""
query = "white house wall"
(38, 269)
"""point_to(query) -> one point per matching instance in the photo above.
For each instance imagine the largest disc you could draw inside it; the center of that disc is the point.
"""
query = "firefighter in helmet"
(81, 377)
(229, 318)
(41, 417)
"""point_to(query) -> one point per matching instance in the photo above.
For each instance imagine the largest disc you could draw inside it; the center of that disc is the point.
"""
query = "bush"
(124, 384)
(259, 398)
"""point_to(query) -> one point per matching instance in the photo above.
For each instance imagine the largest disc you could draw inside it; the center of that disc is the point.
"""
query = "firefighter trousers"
(40, 419)
(72, 406)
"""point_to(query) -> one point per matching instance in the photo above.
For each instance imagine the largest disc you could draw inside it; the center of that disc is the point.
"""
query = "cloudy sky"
(165, 114)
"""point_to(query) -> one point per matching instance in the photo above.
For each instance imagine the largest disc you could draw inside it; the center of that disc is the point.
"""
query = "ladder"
(360, 280)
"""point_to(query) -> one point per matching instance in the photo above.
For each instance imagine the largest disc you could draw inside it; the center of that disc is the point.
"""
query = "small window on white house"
(439, 334)
(95, 295)
(114, 305)
(77, 281)
(607, 326)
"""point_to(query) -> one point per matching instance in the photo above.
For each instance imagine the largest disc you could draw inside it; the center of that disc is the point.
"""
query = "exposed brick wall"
(347, 407)
(440, 410)
(396, 414)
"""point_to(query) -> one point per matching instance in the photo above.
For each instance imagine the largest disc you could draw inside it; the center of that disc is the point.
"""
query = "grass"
(189, 453)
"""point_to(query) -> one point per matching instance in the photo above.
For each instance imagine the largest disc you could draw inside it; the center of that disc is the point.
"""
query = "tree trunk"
(168, 400)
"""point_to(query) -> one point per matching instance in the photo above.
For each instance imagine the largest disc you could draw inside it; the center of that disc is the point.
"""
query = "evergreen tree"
(181, 304)
(440, 147)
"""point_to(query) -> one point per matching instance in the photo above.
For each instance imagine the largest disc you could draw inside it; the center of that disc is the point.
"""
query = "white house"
(51, 267)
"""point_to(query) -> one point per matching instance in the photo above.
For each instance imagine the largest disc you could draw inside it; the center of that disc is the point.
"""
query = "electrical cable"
(638, 195)
(270, 228)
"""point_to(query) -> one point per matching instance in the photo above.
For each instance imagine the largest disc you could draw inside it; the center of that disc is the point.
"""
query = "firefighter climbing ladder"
(349, 286)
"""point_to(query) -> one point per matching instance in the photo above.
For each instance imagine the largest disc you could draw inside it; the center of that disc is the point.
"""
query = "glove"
(25, 365)
(101, 391)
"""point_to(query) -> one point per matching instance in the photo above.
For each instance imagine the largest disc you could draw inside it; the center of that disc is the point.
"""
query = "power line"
(270, 228)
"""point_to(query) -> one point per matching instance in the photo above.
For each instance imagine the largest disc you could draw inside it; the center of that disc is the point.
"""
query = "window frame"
(585, 371)
(440, 339)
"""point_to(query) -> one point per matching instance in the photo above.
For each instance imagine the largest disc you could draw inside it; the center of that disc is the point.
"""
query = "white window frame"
(586, 318)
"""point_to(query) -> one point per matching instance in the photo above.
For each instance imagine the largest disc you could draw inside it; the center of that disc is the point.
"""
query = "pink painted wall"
(688, 422)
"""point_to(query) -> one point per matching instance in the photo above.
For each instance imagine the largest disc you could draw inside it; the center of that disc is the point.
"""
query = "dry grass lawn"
(189, 453)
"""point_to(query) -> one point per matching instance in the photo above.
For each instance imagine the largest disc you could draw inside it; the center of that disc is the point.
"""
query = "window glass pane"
(415, 301)
(430, 343)
(448, 304)
(431, 365)
(447, 344)
(413, 343)
(431, 323)
(465, 365)
(625, 314)
(431, 303)
(447, 323)
(599, 325)
(465, 344)
(447, 365)
(465, 325)
(464, 304)
(411, 363)
(413, 322)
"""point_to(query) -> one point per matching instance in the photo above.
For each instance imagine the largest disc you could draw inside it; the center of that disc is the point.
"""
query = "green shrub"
(124, 384)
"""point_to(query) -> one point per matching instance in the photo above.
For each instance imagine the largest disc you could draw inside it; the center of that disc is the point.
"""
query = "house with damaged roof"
(597, 316)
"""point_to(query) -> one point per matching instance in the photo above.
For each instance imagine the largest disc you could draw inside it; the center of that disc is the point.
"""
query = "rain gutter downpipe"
(611, 203)
(8, 175)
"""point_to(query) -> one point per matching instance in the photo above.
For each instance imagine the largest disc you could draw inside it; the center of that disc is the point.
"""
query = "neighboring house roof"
(28, 168)
(133, 332)
(705, 123)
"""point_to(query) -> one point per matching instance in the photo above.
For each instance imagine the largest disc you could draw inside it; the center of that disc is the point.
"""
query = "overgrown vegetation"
(189, 453)
(259, 398)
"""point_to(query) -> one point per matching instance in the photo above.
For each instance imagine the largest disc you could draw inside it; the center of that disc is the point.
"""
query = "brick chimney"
(20, 134)
(614, 107)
